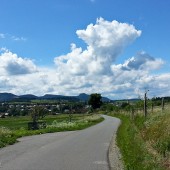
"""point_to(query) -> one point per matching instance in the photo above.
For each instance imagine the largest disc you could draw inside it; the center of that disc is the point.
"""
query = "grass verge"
(144, 144)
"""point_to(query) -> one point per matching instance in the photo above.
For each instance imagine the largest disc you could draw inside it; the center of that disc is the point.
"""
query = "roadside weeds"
(114, 155)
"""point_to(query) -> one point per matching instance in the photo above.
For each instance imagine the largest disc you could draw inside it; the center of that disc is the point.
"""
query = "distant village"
(23, 109)
(13, 105)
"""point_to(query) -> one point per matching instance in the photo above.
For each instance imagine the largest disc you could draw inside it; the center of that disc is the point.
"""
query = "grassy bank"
(145, 143)
(13, 128)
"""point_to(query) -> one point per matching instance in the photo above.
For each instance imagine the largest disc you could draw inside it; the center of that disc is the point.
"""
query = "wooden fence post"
(163, 104)
(132, 113)
(145, 104)
(152, 107)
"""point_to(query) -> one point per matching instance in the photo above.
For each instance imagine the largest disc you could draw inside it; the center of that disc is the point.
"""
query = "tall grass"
(156, 133)
(145, 143)
(132, 146)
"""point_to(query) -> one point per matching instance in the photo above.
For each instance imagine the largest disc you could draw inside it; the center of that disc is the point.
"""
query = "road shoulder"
(114, 155)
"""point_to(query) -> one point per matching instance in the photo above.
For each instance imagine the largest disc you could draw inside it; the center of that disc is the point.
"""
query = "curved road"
(77, 150)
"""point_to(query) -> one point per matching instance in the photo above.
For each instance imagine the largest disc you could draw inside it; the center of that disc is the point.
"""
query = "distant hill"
(105, 99)
(27, 97)
(7, 97)
(58, 97)
(83, 97)
(50, 96)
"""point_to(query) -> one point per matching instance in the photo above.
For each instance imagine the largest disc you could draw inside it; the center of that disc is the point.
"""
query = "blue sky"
(36, 37)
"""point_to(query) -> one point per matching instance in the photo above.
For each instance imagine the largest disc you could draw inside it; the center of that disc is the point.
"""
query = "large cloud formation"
(90, 70)
(105, 42)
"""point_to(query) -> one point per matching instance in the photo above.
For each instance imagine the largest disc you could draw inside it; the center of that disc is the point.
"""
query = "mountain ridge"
(4, 97)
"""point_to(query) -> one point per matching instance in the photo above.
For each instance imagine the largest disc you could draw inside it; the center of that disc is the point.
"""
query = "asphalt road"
(79, 150)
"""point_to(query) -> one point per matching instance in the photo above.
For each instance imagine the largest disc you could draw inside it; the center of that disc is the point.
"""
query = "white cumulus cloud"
(13, 65)
(142, 61)
(105, 42)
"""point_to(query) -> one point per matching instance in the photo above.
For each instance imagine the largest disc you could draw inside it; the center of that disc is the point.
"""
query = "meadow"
(12, 128)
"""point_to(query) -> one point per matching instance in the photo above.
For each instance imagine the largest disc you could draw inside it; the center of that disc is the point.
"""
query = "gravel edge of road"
(114, 155)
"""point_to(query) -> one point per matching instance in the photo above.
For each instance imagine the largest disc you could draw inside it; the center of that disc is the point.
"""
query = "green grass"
(13, 128)
(157, 135)
(15, 123)
(145, 143)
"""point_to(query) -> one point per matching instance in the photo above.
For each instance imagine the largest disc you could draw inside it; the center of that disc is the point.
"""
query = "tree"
(95, 100)
(38, 112)
(14, 111)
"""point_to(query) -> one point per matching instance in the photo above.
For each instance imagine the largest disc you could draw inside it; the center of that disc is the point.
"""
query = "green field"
(12, 128)
(15, 123)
